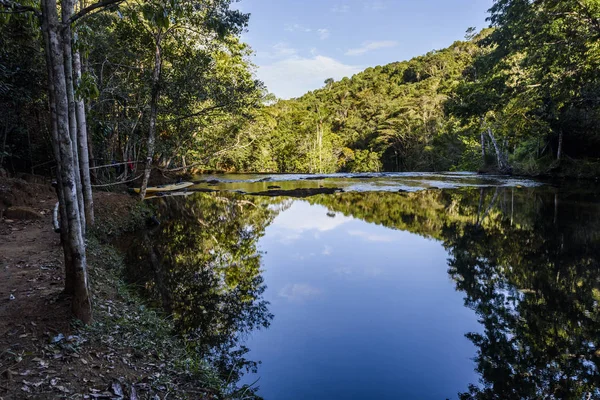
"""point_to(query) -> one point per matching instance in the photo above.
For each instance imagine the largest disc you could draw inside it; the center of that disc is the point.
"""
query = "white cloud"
(323, 33)
(340, 9)
(299, 292)
(293, 76)
(375, 5)
(279, 50)
(370, 46)
(296, 28)
(371, 237)
(304, 217)
(326, 250)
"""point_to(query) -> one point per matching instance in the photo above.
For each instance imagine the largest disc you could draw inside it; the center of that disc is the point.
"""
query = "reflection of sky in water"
(361, 311)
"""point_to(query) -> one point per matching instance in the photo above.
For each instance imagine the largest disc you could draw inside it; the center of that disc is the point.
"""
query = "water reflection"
(534, 287)
(527, 264)
(202, 265)
(484, 293)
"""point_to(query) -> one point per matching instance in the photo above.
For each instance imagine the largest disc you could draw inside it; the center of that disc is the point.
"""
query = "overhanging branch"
(13, 7)
(85, 11)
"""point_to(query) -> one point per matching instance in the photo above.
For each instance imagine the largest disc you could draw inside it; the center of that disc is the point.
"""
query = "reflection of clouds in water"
(301, 217)
(287, 238)
(371, 237)
(358, 272)
(373, 271)
(345, 271)
(299, 292)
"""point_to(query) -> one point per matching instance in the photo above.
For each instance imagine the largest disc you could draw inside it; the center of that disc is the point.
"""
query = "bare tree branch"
(85, 11)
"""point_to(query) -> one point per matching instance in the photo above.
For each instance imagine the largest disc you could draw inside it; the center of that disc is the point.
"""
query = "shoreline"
(130, 349)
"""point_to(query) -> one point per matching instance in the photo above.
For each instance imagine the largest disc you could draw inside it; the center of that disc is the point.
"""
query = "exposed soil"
(43, 354)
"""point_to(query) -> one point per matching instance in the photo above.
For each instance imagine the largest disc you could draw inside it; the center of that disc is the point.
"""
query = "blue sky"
(298, 44)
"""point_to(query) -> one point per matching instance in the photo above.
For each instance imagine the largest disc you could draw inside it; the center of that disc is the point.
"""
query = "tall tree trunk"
(81, 302)
(481, 192)
(82, 141)
(320, 131)
(67, 11)
(502, 163)
(483, 146)
(64, 229)
(560, 145)
(153, 113)
(90, 144)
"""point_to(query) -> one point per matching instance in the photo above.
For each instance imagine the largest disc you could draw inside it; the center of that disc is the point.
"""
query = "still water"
(474, 290)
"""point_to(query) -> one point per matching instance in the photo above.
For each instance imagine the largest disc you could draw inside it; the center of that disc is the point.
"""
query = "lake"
(397, 286)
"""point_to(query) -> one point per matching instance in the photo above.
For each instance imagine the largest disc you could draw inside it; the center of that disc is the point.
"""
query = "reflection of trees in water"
(203, 266)
(526, 259)
(528, 263)
(535, 290)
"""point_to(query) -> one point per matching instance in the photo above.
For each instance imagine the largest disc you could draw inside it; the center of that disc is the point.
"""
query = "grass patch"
(144, 338)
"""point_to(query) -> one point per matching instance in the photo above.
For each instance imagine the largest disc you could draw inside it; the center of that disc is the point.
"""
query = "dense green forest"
(104, 92)
(523, 95)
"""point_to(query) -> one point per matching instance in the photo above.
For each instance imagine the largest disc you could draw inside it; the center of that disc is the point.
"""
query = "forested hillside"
(388, 117)
(522, 96)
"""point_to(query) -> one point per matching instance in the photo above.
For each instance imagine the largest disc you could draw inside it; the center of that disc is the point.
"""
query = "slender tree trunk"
(161, 279)
(84, 161)
(502, 164)
(64, 229)
(483, 146)
(81, 302)
(67, 11)
(320, 130)
(490, 206)
(560, 146)
(512, 205)
(90, 144)
(153, 113)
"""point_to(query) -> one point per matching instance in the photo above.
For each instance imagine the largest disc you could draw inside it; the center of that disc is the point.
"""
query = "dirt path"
(129, 352)
(31, 277)
(31, 280)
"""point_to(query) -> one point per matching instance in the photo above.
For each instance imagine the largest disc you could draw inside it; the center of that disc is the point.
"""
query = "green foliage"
(523, 84)
(146, 331)
(202, 265)
(530, 79)
(389, 117)
(206, 85)
(23, 99)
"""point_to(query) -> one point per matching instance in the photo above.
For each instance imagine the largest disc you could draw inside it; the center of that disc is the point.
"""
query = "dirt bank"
(129, 352)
